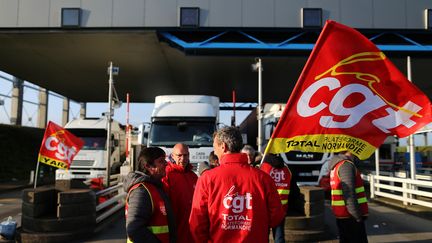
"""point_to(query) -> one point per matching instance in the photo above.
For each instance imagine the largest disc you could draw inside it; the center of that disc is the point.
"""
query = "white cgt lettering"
(62, 151)
(238, 202)
(277, 175)
(354, 114)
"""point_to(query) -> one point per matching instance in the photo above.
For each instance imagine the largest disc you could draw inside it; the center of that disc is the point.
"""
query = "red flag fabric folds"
(58, 147)
(349, 96)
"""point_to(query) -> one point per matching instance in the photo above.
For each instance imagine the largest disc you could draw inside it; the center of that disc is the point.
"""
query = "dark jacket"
(347, 174)
(140, 209)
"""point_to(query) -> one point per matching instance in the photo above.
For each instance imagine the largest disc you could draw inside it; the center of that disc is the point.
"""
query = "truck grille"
(82, 163)
(303, 156)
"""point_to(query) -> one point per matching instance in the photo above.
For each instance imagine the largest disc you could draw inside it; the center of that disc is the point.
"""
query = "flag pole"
(411, 137)
(36, 173)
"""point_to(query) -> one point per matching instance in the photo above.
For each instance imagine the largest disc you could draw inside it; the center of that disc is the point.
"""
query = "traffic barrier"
(65, 213)
(306, 223)
(70, 215)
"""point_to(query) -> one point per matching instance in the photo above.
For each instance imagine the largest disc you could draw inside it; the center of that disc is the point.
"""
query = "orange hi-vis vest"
(159, 222)
(282, 179)
(337, 199)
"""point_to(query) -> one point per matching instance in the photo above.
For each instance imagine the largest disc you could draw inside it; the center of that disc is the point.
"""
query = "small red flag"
(58, 147)
(349, 96)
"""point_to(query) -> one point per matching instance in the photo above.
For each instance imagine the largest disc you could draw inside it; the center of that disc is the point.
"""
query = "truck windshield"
(94, 139)
(168, 133)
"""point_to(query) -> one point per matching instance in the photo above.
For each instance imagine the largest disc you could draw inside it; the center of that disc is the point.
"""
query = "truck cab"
(188, 119)
(91, 162)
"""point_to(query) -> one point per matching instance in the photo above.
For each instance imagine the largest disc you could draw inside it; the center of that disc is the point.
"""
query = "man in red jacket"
(234, 202)
(179, 183)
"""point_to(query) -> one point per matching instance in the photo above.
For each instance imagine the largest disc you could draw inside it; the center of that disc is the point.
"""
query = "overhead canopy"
(74, 64)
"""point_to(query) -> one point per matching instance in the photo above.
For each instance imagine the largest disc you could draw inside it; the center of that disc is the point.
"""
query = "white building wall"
(357, 13)
(221, 16)
(258, 13)
(128, 13)
(288, 13)
(55, 10)
(388, 14)
(33, 13)
(97, 13)
(9, 13)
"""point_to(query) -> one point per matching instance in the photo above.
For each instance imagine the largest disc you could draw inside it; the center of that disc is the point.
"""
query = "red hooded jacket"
(179, 183)
(234, 203)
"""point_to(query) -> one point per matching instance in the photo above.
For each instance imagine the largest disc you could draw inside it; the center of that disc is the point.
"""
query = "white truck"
(91, 162)
(188, 119)
(306, 166)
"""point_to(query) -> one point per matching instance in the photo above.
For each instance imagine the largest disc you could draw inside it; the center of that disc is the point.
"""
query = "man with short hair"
(234, 202)
(250, 151)
(179, 183)
(149, 216)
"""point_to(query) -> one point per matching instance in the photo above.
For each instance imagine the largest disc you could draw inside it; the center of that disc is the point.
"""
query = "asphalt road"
(10, 205)
(384, 224)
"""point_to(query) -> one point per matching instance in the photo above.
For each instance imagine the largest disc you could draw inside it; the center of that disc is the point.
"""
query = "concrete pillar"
(65, 113)
(17, 101)
(43, 108)
(83, 110)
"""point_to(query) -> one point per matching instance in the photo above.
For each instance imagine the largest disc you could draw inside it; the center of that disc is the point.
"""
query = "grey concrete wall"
(388, 14)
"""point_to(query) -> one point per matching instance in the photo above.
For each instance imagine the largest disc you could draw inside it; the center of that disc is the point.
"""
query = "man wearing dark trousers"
(348, 198)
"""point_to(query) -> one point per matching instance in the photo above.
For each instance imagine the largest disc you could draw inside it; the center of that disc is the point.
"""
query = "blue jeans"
(278, 232)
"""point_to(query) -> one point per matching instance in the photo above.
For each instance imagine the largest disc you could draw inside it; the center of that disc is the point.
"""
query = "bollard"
(31, 181)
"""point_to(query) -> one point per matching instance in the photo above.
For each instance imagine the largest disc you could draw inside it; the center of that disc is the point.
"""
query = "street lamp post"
(257, 66)
(111, 72)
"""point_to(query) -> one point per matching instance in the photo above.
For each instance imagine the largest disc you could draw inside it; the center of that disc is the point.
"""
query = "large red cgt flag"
(349, 96)
(58, 147)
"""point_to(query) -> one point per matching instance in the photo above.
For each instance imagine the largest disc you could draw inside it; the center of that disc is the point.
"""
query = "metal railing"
(116, 198)
(407, 191)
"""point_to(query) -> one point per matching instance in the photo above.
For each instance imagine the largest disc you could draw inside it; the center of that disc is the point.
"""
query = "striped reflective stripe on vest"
(158, 229)
(342, 202)
(283, 192)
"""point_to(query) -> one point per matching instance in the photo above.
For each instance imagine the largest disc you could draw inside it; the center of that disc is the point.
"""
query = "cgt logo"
(237, 203)
(353, 115)
(277, 175)
(62, 151)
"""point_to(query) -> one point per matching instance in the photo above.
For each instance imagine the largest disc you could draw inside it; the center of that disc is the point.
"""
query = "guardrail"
(408, 191)
(116, 198)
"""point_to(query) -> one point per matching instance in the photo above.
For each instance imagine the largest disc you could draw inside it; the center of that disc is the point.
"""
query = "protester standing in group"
(179, 183)
(348, 198)
(251, 153)
(213, 159)
(204, 166)
(281, 175)
(149, 217)
(234, 202)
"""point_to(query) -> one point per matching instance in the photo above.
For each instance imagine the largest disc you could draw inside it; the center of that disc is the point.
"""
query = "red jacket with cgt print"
(234, 203)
